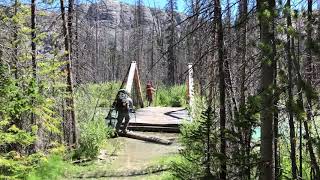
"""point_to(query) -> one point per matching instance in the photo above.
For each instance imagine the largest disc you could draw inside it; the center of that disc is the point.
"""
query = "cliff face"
(112, 34)
(115, 14)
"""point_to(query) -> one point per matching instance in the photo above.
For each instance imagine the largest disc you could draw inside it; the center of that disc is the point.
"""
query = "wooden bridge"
(158, 119)
(154, 119)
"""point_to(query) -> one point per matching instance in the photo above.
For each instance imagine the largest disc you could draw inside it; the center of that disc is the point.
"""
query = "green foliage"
(265, 15)
(93, 135)
(92, 100)
(291, 31)
(317, 143)
(92, 103)
(248, 116)
(17, 106)
(23, 96)
(285, 172)
(171, 96)
(199, 152)
(14, 165)
(52, 168)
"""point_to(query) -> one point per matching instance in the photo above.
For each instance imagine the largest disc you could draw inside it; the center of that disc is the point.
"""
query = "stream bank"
(126, 158)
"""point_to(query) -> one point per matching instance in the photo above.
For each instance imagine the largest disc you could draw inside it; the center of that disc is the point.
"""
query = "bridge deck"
(160, 115)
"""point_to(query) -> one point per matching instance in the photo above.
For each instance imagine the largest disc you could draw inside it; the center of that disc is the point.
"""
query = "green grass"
(174, 96)
(92, 100)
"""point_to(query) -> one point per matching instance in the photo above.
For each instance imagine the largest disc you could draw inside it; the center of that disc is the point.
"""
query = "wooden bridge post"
(133, 77)
(190, 87)
(138, 87)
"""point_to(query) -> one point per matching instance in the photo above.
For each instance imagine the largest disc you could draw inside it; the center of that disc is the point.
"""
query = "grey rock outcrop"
(113, 33)
(115, 14)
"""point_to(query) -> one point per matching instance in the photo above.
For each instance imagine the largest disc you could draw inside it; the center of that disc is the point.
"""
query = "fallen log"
(146, 138)
(151, 124)
(154, 129)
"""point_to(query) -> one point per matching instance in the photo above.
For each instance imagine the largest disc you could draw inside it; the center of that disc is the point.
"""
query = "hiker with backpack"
(123, 106)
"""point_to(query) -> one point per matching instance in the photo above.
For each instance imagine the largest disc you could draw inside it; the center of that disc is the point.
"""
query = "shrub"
(93, 135)
(52, 168)
(92, 102)
(198, 139)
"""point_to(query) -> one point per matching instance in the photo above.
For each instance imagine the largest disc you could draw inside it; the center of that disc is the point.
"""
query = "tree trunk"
(242, 50)
(70, 121)
(70, 100)
(314, 163)
(300, 105)
(290, 97)
(277, 165)
(299, 119)
(171, 42)
(15, 38)
(33, 49)
(267, 81)
(276, 148)
(218, 20)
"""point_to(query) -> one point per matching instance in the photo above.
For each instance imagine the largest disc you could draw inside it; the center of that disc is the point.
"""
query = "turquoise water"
(256, 134)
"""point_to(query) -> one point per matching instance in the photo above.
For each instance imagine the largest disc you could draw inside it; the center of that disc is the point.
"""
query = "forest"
(244, 74)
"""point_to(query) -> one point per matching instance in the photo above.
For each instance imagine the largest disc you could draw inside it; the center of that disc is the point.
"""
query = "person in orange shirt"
(150, 91)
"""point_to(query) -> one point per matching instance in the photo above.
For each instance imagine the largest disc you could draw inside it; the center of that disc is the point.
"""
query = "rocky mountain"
(111, 34)
(115, 14)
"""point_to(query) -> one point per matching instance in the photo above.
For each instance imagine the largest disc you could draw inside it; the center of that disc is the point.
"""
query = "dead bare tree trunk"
(299, 96)
(33, 49)
(172, 64)
(242, 51)
(218, 20)
(15, 38)
(96, 60)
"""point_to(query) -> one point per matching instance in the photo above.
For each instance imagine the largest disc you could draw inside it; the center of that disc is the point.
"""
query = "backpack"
(122, 102)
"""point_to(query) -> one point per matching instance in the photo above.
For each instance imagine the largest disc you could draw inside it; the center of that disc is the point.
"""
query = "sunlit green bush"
(174, 96)
(197, 138)
(92, 137)
(92, 103)
(52, 168)
(92, 100)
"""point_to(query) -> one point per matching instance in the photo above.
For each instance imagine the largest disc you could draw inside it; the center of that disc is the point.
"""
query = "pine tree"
(266, 17)
(198, 140)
